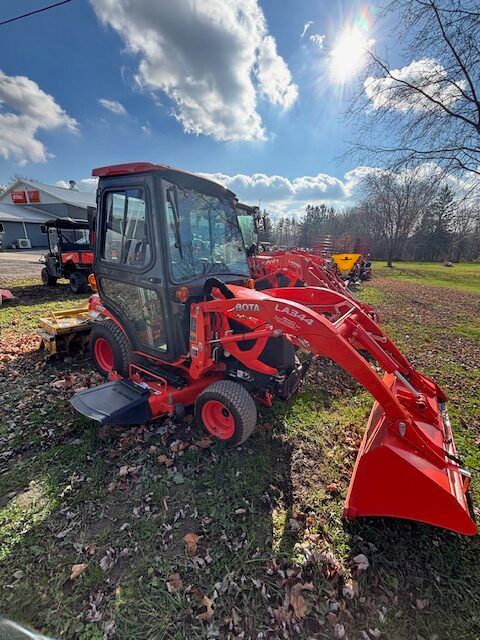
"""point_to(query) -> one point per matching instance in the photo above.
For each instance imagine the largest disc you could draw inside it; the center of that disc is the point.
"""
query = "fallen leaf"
(204, 442)
(134, 470)
(332, 488)
(178, 446)
(191, 543)
(208, 613)
(422, 603)
(163, 459)
(360, 563)
(294, 524)
(339, 631)
(178, 478)
(174, 583)
(297, 601)
(77, 570)
(108, 560)
(123, 471)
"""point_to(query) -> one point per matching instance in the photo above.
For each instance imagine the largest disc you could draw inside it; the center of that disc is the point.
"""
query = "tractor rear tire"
(110, 349)
(78, 282)
(226, 411)
(47, 279)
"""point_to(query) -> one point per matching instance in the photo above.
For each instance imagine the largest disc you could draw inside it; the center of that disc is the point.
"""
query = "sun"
(348, 54)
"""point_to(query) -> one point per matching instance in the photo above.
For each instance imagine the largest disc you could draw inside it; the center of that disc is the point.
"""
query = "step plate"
(116, 402)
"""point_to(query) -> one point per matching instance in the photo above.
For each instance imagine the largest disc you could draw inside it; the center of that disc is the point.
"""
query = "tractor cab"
(69, 253)
(161, 234)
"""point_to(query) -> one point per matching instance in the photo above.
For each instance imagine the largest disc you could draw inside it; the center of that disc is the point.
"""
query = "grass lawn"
(152, 532)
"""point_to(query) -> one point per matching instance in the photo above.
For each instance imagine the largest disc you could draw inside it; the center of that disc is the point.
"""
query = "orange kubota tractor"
(175, 326)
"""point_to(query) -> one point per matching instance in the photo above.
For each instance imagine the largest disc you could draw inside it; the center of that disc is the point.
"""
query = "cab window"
(126, 233)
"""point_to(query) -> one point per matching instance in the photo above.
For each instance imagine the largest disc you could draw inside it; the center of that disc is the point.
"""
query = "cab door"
(128, 274)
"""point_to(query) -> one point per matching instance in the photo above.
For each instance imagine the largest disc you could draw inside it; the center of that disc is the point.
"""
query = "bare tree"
(392, 204)
(431, 106)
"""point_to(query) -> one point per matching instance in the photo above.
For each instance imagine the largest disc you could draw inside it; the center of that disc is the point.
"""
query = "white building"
(25, 207)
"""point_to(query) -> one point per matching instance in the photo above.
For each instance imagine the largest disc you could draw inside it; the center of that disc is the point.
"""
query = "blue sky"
(137, 60)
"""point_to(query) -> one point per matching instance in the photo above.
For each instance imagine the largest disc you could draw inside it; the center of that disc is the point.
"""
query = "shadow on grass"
(34, 294)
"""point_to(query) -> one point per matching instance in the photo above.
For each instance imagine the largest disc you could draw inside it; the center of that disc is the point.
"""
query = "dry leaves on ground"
(77, 570)
(191, 543)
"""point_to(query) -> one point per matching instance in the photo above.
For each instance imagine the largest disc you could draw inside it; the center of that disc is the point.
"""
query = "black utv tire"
(47, 279)
(78, 282)
(121, 351)
(238, 406)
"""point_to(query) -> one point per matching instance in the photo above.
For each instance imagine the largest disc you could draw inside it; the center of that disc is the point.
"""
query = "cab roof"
(179, 176)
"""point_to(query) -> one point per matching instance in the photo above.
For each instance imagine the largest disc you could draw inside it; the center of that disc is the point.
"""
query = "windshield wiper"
(176, 219)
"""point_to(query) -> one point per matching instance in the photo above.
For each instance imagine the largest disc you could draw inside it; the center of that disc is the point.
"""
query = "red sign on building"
(33, 196)
(19, 197)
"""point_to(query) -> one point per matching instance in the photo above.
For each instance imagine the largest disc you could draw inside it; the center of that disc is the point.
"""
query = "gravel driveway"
(14, 264)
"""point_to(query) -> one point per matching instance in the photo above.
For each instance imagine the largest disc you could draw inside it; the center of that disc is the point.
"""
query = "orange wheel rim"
(104, 354)
(218, 420)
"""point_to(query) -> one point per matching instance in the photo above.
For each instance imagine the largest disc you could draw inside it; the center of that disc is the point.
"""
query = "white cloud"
(212, 59)
(113, 106)
(85, 184)
(274, 75)
(427, 74)
(317, 38)
(306, 27)
(281, 192)
(29, 109)
(288, 197)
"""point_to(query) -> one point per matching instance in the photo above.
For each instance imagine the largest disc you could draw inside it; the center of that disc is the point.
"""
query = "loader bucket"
(413, 475)
(345, 262)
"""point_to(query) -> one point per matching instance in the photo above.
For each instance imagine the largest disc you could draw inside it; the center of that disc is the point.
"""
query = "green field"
(270, 556)
(464, 276)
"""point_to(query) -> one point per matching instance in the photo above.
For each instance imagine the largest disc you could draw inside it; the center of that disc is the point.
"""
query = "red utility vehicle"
(70, 254)
(175, 326)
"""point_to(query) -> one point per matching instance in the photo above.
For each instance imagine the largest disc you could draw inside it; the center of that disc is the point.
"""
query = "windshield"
(203, 236)
(69, 238)
(246, 223)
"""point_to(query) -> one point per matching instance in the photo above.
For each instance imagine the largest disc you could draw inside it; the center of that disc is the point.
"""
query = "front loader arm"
(276, 314)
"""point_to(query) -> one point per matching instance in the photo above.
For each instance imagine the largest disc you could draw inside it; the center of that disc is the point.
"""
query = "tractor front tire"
(110, 349)
(47, 279)
(226, 411)
(78, 282)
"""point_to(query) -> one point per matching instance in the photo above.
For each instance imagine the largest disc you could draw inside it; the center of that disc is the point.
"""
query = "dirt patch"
(427, 304)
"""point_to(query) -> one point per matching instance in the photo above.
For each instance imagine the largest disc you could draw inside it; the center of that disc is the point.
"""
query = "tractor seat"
(279, 352)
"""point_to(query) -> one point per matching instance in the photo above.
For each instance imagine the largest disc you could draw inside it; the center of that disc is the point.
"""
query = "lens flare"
(348, 54)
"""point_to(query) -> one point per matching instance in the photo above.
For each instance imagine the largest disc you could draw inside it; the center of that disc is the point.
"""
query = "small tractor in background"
(175, 323)
(70, 254)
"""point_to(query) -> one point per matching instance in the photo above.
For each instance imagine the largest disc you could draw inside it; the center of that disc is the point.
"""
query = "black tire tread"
(80, 288)
(47, 279)
(238, 401)
(114, 335)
